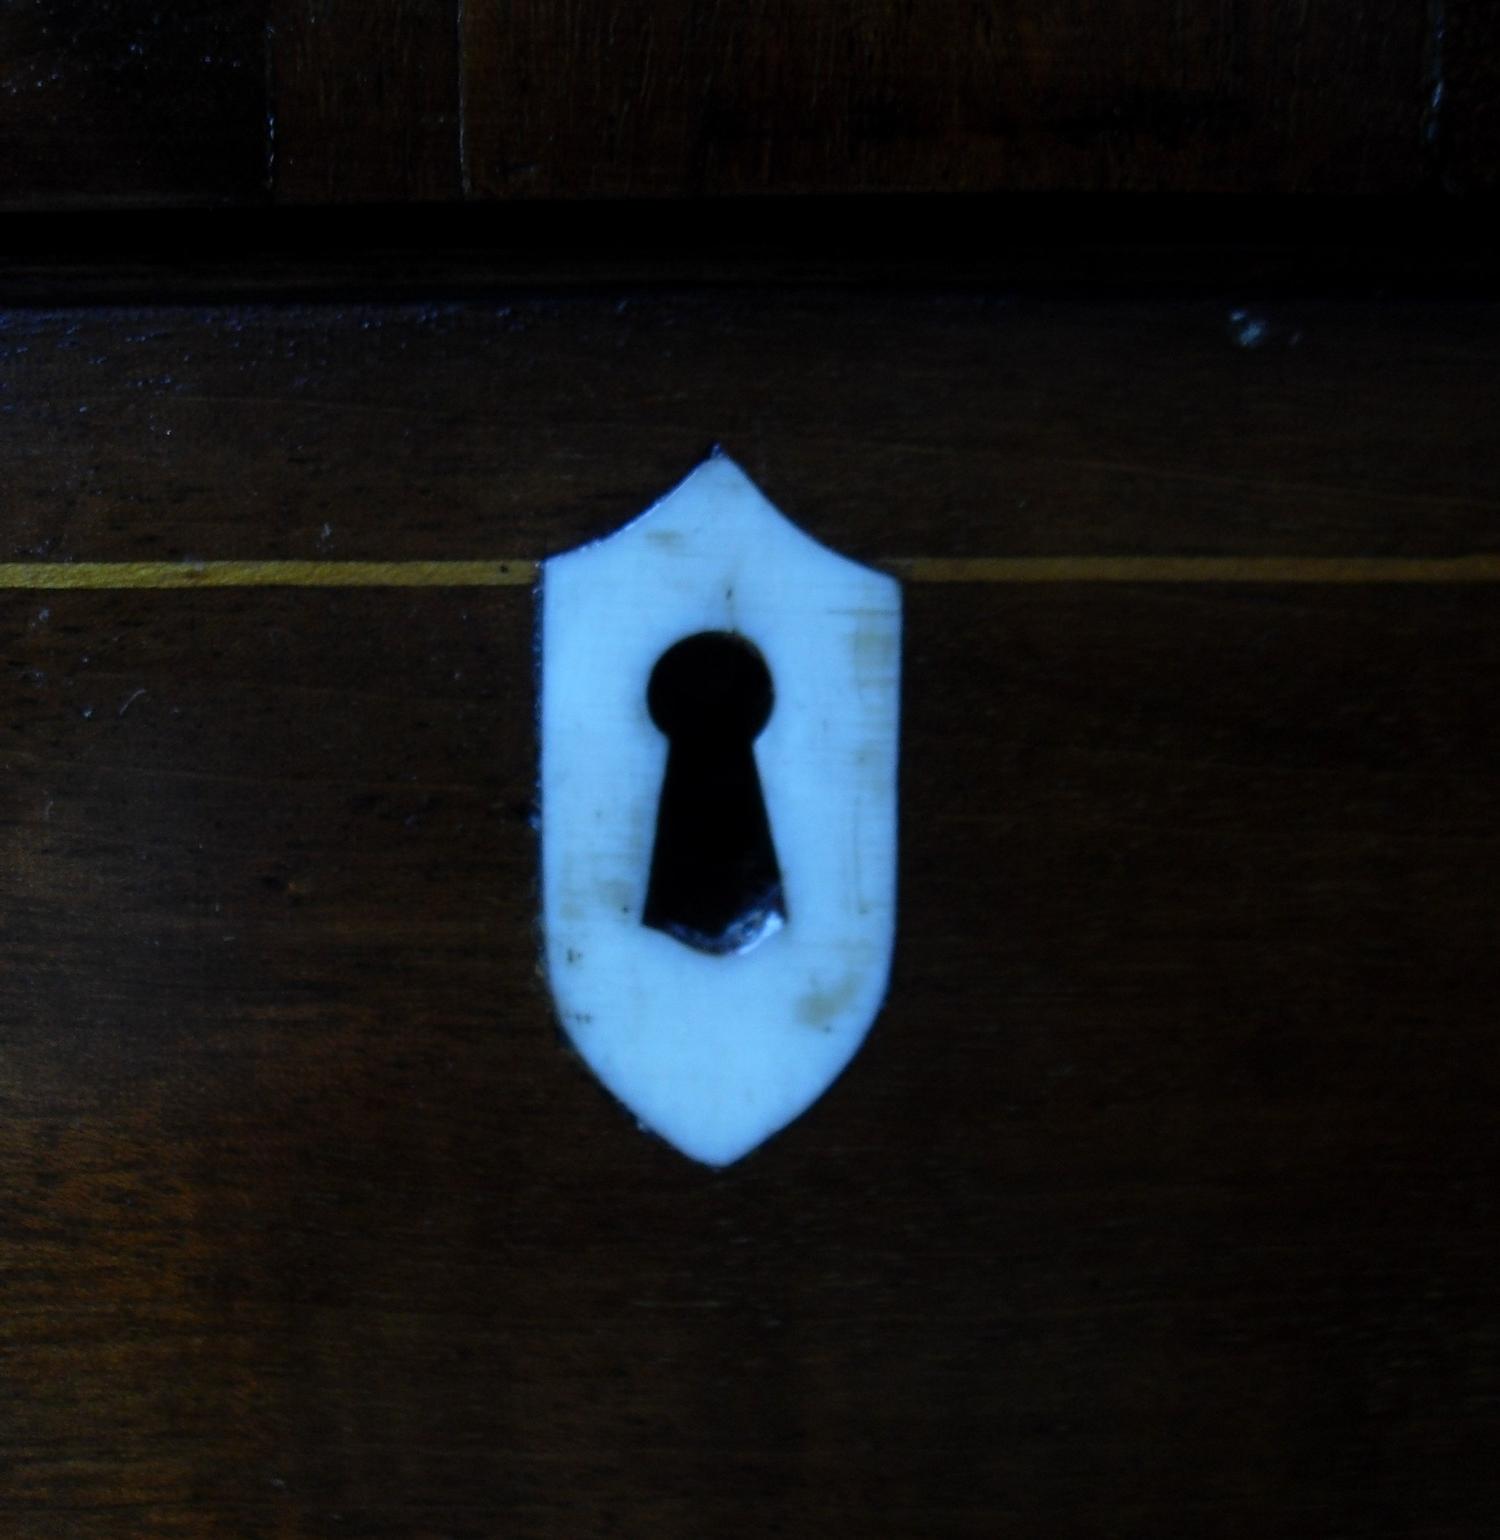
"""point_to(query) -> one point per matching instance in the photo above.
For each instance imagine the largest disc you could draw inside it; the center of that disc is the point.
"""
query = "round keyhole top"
(715, 880)
(712, 685)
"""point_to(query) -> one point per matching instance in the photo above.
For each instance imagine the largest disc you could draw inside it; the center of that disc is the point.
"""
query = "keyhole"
(715, 881)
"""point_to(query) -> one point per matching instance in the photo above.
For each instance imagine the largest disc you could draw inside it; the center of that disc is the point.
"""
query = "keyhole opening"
(715, 881)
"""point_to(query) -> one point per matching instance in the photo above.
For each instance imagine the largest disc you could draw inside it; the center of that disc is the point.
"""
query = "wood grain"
(392, 102)
(675, 98)
(365, 96)
(912, 424)
(1161, 1199)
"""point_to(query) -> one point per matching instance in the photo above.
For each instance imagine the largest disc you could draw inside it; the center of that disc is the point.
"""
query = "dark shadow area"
(715, 881)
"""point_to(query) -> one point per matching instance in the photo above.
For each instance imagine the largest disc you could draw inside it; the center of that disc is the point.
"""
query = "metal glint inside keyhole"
(715, 880)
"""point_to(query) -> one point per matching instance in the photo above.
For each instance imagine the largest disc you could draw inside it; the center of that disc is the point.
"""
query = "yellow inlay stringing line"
(267, 574)
(522, 572)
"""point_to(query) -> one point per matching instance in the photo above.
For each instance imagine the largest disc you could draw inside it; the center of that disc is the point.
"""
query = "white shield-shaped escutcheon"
(717, 1028)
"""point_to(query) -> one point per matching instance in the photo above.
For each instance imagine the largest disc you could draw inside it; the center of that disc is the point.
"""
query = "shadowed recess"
(715, 879)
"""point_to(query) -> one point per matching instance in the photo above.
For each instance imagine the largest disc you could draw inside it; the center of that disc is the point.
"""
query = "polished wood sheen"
(1161, 1200)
